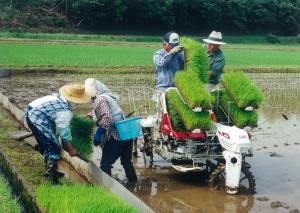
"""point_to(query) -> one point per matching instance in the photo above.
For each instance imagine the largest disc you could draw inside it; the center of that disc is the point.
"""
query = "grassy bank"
(7, 203)
(239, 39)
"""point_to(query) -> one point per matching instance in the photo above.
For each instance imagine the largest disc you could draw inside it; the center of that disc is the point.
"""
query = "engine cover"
(233, 138)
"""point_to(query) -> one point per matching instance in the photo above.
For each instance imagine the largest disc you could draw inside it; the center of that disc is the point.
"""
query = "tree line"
(280, 17)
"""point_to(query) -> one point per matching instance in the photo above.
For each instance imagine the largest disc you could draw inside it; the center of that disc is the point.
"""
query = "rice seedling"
(195, 58)
(82, 131)
(241, 118)
(260, 57)
(193, 90)
(242, 90)
(7, 203)
(191, 119)
(176, 121)
(69, 198)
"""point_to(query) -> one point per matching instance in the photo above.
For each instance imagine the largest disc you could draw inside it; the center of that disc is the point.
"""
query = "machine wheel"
(216, 180)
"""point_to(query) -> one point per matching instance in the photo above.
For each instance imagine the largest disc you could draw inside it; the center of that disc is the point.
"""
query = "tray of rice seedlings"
(80, 198)
(176, 121)
(192, 120)
(195, 58)
(241, 118)
(242, 90)
(193, 90)
(82, 134)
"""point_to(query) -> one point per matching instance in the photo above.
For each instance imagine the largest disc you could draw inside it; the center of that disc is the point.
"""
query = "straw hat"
(214, 38)
(76, 93)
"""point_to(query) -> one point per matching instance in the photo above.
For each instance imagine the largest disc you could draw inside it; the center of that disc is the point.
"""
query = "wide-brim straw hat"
(214, 38)
(76, 93)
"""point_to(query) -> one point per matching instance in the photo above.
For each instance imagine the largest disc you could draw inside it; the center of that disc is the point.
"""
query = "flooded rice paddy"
(275, 163)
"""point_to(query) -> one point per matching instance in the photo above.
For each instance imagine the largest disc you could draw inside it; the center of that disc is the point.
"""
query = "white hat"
(214, 38)
(172, 38)
(90, 85)
(76, 93)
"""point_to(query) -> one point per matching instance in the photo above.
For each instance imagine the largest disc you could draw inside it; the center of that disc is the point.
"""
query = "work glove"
(176, 50)
(99, 136)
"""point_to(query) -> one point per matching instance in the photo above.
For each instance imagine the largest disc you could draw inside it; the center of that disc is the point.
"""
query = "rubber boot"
(69, 148)
(130, 174)
(51, 171)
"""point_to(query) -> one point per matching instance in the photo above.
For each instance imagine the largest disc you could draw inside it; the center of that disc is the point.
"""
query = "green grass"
(196, 59)
(74, 55)
(261, 56)
(7, 203)
(192, 120)
(239, 117)
(82, 135)
(193, 90)
(80, 198)
(242, 90)
(21, 156)
(82, 56)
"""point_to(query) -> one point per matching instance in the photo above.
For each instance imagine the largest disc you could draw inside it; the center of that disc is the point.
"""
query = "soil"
(274, 164)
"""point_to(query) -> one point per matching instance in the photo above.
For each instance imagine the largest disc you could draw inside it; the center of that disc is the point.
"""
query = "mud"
(275, 163)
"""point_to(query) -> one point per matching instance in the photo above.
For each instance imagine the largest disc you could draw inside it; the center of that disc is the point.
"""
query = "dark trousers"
(112, 150)
(46, 146)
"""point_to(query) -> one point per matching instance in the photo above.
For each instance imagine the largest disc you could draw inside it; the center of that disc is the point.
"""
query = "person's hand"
(176, 49)
(89, 115)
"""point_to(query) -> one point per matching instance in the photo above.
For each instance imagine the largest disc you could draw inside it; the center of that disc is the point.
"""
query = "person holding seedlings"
(168, 61)
(106, 111)
(215, 56)
(51, 115)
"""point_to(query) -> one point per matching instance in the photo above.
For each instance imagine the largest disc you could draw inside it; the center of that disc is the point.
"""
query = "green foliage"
(80, 198)
(243, 91)
(271, 38)
(195, 58)
(244, 16)
(193, 90)
(241, 118)
(82, 135)
(191, 119)
(7, 203)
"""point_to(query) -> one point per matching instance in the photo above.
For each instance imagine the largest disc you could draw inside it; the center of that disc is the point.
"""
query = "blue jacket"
(166, 65)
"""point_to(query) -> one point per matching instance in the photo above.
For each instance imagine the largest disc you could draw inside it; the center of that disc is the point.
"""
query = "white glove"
(176, 50)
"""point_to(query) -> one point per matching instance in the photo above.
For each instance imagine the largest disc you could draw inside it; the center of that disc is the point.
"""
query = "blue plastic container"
(129, 128)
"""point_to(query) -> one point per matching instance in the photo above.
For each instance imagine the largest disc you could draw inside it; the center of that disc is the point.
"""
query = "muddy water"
(275, 163)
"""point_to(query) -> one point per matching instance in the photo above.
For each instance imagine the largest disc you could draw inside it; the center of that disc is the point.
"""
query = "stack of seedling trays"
(241, 99)
(188, 105)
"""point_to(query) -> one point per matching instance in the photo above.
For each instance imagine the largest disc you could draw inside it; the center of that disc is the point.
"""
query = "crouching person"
(51, 115)
(106, 112)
